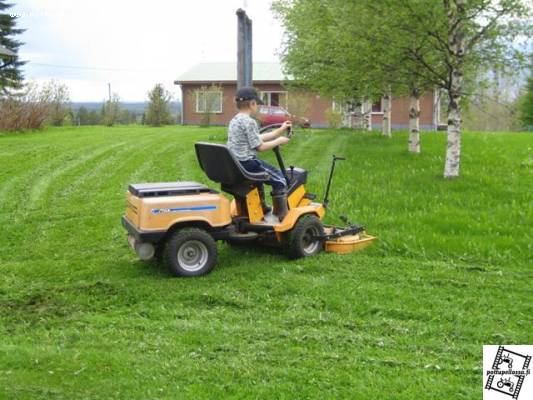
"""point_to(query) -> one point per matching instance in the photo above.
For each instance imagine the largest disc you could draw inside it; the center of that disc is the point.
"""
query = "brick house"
(213, 86)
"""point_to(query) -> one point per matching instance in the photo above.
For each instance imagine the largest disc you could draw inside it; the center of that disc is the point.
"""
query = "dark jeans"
(276, 179)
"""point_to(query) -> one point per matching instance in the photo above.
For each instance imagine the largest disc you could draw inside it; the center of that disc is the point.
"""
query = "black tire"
(190, 252)
(296, 242)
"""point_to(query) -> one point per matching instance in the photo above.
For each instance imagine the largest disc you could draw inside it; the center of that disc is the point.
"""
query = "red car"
(269, 115)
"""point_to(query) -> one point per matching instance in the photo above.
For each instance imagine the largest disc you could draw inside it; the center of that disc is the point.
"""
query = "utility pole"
(109, 90)
(244, 49)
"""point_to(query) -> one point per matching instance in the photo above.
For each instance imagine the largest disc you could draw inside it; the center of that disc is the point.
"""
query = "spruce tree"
(10, 74)
(158, 112)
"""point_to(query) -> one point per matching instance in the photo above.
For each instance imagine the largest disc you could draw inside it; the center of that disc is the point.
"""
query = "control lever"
(328, 185)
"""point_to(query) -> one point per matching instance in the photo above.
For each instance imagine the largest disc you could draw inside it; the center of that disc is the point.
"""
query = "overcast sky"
(134, 44)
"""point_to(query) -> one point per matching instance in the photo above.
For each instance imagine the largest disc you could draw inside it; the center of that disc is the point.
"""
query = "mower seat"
(221, 166)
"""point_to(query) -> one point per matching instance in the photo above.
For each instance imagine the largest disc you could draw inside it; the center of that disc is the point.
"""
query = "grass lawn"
(81, 317)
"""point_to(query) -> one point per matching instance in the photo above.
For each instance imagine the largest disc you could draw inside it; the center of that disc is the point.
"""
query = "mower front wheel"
(301, 241)
(190, 252)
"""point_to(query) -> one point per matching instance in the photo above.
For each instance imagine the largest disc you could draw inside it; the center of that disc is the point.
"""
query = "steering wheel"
(275, 126)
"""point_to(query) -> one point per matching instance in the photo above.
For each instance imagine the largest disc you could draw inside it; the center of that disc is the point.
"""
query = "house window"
(276, 99)
(377, 107)
(208, 101)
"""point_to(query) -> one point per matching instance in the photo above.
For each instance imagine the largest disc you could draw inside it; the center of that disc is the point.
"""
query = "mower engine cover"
(156, 207)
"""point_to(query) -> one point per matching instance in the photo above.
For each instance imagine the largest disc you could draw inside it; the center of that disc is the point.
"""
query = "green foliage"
(158, 112)
(111, 111)
(350, 50)
(81, 317)
(86, 117)
(10, 74)
(127, 117)
(526, 104)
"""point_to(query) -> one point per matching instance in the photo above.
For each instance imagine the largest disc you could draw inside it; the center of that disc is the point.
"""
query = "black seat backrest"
(221, 166)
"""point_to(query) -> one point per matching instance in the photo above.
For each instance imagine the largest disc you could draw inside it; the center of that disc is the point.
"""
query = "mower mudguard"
(292, 216)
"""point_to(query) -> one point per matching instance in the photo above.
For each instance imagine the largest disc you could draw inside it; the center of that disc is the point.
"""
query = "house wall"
(317, 109)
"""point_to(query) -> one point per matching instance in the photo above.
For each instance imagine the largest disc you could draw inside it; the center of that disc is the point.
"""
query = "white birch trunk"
(414, 122)
(386, 124)
(453, 150)
(366, 111)
(457, 47)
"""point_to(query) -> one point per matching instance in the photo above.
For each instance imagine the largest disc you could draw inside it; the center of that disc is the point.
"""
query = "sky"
(134, 44)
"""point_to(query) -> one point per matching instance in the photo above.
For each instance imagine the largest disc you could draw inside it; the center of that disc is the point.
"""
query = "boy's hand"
(286, 126)
(282, 140)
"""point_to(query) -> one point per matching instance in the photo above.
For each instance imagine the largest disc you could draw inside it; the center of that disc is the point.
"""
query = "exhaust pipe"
(145, 251)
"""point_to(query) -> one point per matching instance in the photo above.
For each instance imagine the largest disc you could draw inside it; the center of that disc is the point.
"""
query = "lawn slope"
(81, 317)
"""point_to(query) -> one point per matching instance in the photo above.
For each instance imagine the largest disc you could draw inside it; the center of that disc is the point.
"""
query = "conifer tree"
(10, 74)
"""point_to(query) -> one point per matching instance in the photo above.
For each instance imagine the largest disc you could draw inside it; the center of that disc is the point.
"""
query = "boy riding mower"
(183, 220)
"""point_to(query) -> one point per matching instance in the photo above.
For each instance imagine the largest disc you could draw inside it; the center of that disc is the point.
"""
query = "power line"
(96, 68)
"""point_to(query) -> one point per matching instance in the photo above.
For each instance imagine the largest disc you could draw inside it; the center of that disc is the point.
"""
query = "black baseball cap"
(247, 93)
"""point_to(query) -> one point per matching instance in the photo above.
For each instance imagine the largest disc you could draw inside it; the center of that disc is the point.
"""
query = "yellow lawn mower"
(183, 220)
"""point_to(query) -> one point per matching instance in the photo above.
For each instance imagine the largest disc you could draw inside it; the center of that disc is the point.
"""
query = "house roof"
(6, 52)
(227, 72)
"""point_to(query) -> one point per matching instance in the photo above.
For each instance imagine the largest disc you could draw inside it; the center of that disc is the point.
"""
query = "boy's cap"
(247, 93)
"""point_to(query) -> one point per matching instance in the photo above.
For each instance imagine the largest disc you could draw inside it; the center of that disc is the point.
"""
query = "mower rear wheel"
(190, 252)
(301, 240)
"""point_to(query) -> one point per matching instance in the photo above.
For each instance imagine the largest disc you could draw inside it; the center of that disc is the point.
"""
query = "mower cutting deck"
(183, 220)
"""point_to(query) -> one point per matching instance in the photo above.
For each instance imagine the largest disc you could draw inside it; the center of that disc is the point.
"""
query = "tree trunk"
(366, 114)
(386, 125)
(453, 151)
(456, 44)
(414, 121)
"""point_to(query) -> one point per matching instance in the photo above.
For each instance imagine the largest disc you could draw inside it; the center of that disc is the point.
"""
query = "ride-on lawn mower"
(183, 220)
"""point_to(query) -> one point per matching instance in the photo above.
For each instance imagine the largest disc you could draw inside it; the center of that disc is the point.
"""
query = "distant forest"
(92, 113)
(136, 107)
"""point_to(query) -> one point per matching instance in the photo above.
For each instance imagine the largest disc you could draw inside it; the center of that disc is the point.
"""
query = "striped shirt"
(243, 137)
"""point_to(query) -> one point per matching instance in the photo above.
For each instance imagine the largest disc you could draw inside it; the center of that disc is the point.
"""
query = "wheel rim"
(193, 255)
(309, 242)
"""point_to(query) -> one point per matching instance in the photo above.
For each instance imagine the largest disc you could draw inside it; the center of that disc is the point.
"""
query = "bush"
(111, 110)
(58, 97)
(334, 118)
(29, 109)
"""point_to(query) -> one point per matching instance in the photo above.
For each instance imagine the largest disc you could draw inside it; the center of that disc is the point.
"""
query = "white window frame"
(269, 94)
(205, 92)
(377, 112)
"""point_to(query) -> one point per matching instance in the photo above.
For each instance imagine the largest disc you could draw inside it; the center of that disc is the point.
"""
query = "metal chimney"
(244, 49)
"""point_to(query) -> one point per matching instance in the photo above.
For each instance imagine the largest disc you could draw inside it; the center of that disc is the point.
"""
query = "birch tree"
(445, 44)
(462, 39)
(362, 64)
(325, 50)
(414, 121)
